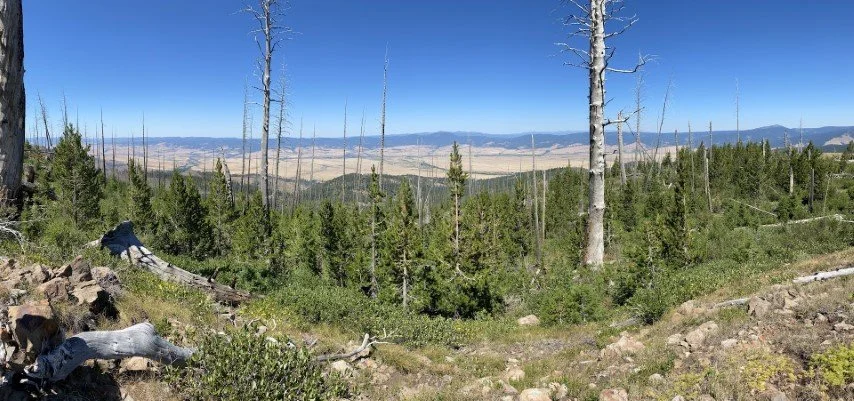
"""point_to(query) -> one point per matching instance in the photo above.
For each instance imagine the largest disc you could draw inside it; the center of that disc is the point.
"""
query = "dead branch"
(837, 217)
(367, 342)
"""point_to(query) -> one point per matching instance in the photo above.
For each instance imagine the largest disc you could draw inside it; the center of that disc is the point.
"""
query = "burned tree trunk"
(12, 98)
(123, 242)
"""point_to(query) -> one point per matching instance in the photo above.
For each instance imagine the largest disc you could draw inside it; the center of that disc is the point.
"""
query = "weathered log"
(122, 241)
(137, 340)
(839, 272)
(836, 217)
(732, 302)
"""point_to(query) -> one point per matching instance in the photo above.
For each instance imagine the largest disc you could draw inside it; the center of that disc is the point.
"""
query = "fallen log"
(366, 343)
(839, 272)
(123, 242)
(837, 217)
(732, 302)
(137, 340)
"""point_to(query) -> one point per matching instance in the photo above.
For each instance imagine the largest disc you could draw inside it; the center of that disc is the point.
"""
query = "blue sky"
(474, 65)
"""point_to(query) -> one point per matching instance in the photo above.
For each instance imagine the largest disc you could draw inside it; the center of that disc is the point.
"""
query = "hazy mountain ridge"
(776, 134)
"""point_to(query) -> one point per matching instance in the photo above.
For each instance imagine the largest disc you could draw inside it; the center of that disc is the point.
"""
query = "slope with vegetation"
(439, 287)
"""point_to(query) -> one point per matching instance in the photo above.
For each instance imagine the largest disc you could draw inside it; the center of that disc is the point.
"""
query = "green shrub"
(836, 365)
(571, 304)
(242, 366)
(352, 311)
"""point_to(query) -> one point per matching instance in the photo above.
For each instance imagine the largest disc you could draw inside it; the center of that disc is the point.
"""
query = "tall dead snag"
(359, 162)
(590, 24)
(46, 124)
(12, 98)
(243, 180)
(268, 25)
(344, 156)
(103, 148)
(382, 118)
(298, 173)
(620, 148)
(123, 242)
(536, 202)
(279, 128)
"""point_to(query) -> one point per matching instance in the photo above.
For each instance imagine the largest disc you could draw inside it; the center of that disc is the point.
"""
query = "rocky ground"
(761, 348)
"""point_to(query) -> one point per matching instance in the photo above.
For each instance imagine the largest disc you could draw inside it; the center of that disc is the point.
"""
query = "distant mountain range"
(776, 134)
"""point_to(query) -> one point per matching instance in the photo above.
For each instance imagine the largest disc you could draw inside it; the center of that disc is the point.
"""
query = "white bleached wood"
(122, 241)
(839, 272)
(137, 340)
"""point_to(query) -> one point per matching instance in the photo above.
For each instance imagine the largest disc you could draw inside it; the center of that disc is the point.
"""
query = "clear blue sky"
(474, 65)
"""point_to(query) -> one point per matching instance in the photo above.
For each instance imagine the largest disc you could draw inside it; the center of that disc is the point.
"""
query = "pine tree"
(141, 212)
(183, 226)
(221, 211)
(76, 179)
(403, 239)
(376, 194)
(456, 186)
(332, 234)
(250, 229)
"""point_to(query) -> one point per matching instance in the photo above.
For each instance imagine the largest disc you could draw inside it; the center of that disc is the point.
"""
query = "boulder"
(341, 366)
(90, 293)
(135, 364)
(729, 343)
(655, 378)
(535, 394)
(81, 271)
(614, 394)
(34, 327)
(758, 307)
(55, 289)
(107, 278)
(530, 320)
(513, 374)
(626, 345)
(558, 391)
(696, 338)
(64, 271)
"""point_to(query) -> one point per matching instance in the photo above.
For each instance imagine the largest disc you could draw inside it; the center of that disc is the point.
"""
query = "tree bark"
(265, 82)
(12, 99)
(620, 149)
(595, 251)
(137, 340)
(123, 242)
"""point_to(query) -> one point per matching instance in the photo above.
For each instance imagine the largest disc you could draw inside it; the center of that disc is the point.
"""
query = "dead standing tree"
(590, 24)
(268, 19)
(12, 98)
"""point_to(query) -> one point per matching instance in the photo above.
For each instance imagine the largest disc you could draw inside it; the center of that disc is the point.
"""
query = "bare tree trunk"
(311, 171)
(265, 82)
(280, 128)
(691, 154)
(344, 157)
(812, 180)
(249, 161)
(536, 202)
(245, 131)
(144, 149)
(297, 176)
(46, 124)
(113, 148)
(359, 163)
(706, 176)
(12, 99)
(595, 252)
(638, 110)
(382, 119)
(620, 149)
(103, 148)
(543, 220)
